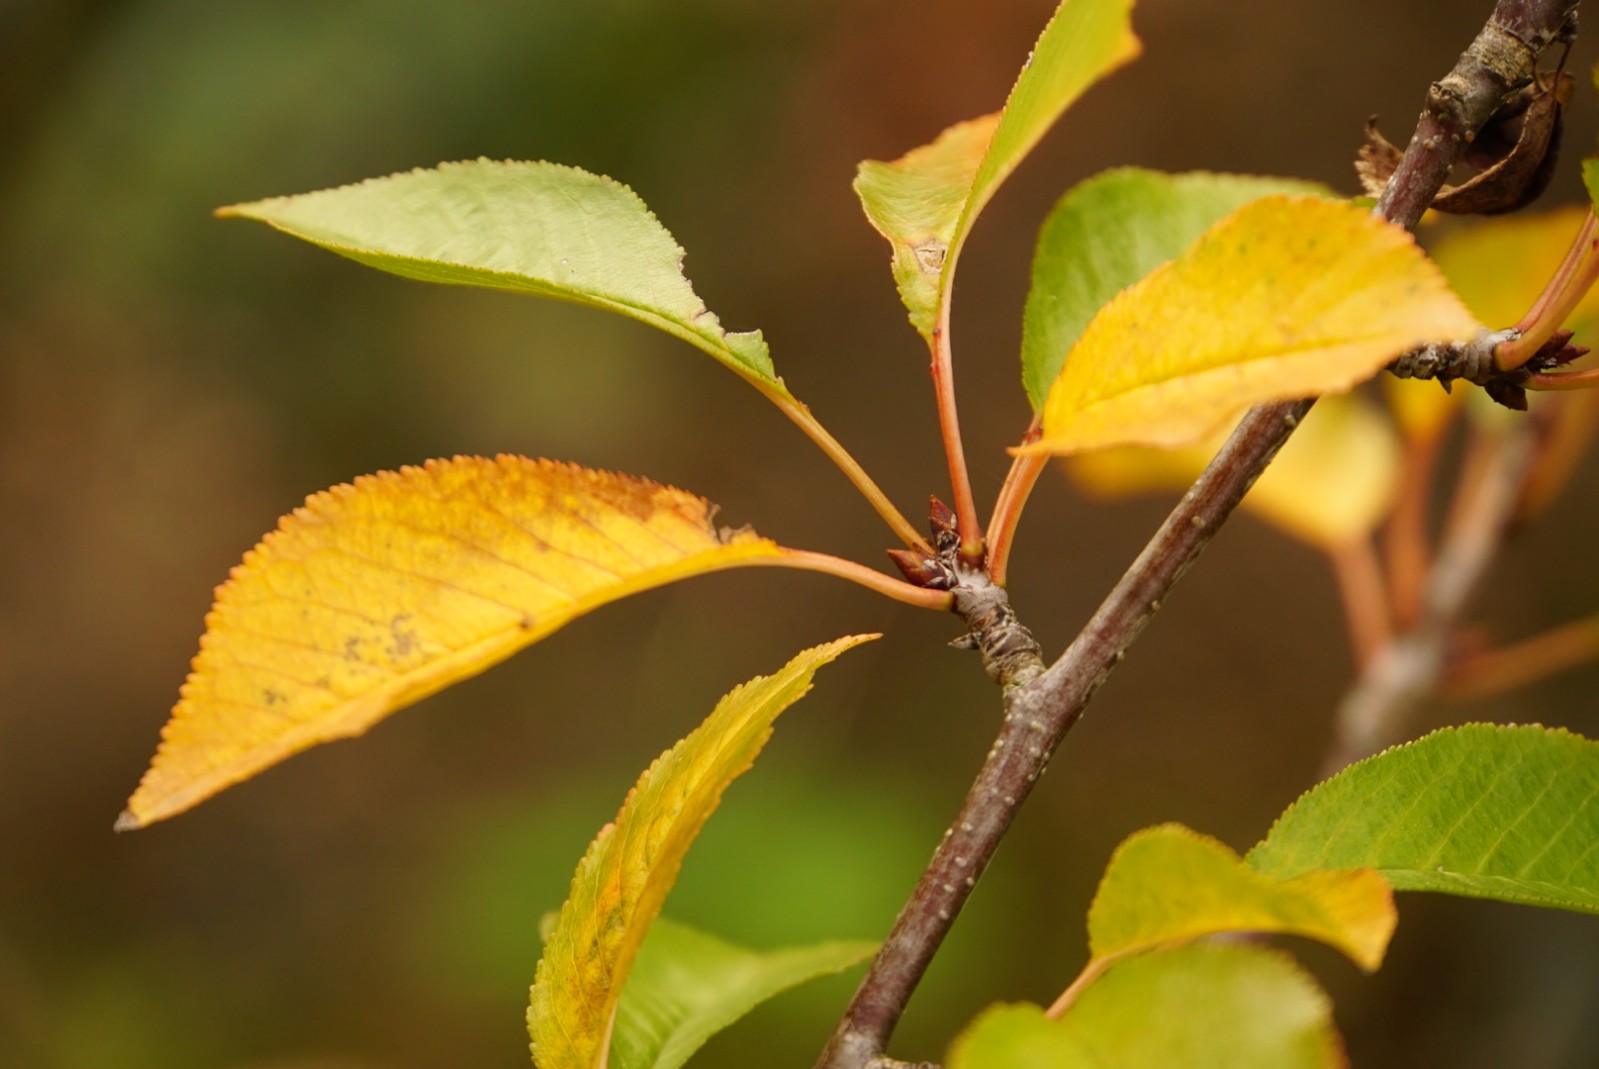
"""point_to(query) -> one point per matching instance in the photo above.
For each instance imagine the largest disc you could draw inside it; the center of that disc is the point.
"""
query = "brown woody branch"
(1040, 711)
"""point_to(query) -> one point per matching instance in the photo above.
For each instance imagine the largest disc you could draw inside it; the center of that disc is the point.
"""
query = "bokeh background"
(170, 384)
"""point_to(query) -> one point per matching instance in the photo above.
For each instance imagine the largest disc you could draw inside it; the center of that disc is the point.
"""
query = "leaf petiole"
(870, 578)
(1570, 283)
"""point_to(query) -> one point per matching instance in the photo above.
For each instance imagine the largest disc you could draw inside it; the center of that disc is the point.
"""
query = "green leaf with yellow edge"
(624, 877)
(1485, 811)
(1201, 1006)
(538, 228)
(926, 202)
(374, 595)
(1332, 482)
(1107, 233)
(685, 986)
(1169, 884)
(1287, 297)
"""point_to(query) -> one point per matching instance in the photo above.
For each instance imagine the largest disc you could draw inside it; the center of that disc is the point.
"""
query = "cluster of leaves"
(1162, 307)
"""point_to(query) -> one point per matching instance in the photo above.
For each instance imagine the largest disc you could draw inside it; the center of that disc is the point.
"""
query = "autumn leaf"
(1108, 232)
(539, 228)
(624, 877)
(1332, 482)
(1288, 297)
(926, 202)
(1167, 885)
(374, 595)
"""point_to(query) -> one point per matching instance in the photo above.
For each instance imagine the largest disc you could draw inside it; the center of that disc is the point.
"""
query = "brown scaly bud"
(941, 525)
(921, 569)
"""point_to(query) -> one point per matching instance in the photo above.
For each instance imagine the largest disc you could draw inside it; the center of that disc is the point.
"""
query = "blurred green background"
(169, 385)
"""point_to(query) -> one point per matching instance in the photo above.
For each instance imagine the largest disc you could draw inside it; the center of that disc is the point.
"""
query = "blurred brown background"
(170, 384)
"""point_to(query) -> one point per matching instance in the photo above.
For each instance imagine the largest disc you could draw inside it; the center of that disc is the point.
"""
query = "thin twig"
(1402, 674)
(1488, 673)
(1039, 713)
(1364, 591)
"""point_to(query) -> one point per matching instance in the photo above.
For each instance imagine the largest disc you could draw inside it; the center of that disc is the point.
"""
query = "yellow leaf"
(374, 595)
(1167, 885)
(624, 877)
(1288, 297)
(1333, 481)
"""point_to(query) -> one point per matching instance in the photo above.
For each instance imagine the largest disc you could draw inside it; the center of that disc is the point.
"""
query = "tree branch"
(1039, 712)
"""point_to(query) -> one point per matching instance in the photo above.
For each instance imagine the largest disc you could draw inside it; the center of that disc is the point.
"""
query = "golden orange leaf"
(1288, 297)
(624, 877)
(374, 595)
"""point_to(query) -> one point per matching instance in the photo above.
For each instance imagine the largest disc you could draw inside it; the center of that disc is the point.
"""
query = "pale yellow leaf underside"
(1333, 481)
(1288, 297)
(624, 877)
(374, 595)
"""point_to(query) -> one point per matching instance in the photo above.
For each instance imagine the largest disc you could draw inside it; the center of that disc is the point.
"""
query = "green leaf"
(1107, 233)
(926, 202)
(624, 877)
(1287, 297)
(1169, 884)
(1228, 1006)
(536, 228)
(686, 986)
(1486, 811)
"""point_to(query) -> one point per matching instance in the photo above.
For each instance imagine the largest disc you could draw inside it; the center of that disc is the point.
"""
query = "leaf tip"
(127, 821)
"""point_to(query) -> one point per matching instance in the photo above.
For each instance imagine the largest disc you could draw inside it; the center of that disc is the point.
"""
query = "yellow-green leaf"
(374, 595)
(1203, 1006)
(537, 228)
(926, 202)
(1333, 481)
(624, 877)
(1168, 885)
(1288, 297)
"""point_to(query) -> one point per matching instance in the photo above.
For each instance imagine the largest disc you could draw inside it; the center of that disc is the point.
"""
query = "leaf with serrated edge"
(1287, 297)
(374, 595)
(1167, 885)
(1107, 233)
(624, 877)
(1485, 811)
(1203, 1006)
(685, 986)
(539, 228)
(1333, 481)
(926, 202)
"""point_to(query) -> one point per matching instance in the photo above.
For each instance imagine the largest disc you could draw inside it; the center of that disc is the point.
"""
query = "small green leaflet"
(686, 986)
(538, 228)
(1107, 233)
(1486, 811)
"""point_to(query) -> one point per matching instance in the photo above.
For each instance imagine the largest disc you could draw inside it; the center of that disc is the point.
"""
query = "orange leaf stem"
(1407, 545)
(802, 417)
(949, 429)
(1494, 671)
(1563, 380)
(1566, 289)
(887, 585)
(1365, 597)
(1019, 482)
